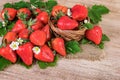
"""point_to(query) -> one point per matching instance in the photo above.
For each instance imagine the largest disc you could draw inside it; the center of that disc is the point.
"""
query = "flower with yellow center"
(36, 50)
(14, 45)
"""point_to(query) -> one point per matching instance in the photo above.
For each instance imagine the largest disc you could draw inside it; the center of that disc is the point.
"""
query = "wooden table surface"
(79, 69)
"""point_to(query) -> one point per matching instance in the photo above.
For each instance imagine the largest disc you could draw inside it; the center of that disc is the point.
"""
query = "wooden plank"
(79, 69)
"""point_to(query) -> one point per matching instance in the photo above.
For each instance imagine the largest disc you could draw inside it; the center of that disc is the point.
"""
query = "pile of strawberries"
(31, 36)
(28, 37)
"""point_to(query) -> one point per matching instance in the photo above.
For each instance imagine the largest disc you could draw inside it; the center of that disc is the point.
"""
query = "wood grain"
(79, 69)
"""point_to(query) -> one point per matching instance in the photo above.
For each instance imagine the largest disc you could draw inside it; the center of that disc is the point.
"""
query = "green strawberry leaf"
(19, 61)
(100, 9)
(54, 63)
(85, 41)
(40, 4)
(88, 25)
(95, 13)
(8, 5)
(1, 24)
(44, 65)
(50, 4)
(3, 31)
(34, 1)
(105, 37)
(72, 47)
(101, 45)
(10, 26)
(4, 63)
(21, 4)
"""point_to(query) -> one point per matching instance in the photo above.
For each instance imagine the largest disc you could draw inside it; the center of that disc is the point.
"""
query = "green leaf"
(26, 66)
(100, 9)
(44, 65)
(72, 47)
(6, 15)
(88, 25)
(101, 45)
(95, 13)
(1, 24)
(54, 63)
(105, 37)
(21, 4)
(10, 26)
(19, 61)
(50, 4)
(84, 41)
(35, 1)
(3, 31)
(8, 5)
(94, 17)
(4, 63)
(40, 4)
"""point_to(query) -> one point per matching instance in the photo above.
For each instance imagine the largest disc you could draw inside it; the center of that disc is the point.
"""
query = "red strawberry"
(94, 34)
(46, 29)
(45, 54)
(10, 36)
(36, 11)
(24, 34)
(79, 12)
(38, 37)
(24, 12)
(66, 23)
(8, 54)
(43, 17)
(37, 25)
(19, 25)
(10, 12)
(25, 53)
(58, 45)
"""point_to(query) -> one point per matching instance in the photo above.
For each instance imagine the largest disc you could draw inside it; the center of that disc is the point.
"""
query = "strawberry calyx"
(22, 16)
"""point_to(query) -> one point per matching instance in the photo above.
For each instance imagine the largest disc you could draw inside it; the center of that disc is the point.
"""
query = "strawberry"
(66, 23)
(24, 34)
(59, 46)
(43, 17)
(10, 36)
(19, 25)
(10, 12)
(24, 13)
(8, 54)
(94, 34)
(25, 53)
(46, 29)
(45, 54)
(56, 9)
(79, 12)
(36, 11)
(37, 25)
(38, 37)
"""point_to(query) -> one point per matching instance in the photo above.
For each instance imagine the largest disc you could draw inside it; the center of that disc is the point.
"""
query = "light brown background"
(79, 69)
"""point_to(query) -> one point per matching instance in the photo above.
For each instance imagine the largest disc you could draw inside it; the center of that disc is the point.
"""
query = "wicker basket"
(67, 34)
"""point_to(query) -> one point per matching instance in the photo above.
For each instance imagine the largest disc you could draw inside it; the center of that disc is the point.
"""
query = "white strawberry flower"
(36, 50)
(14, 45)
(69, 13)
(86, 21)
(3, 23)
(20, 41)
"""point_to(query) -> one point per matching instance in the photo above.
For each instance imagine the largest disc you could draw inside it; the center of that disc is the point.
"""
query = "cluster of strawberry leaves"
(94, 13)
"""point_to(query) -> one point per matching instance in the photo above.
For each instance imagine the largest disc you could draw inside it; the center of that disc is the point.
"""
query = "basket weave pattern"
(67, 34)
